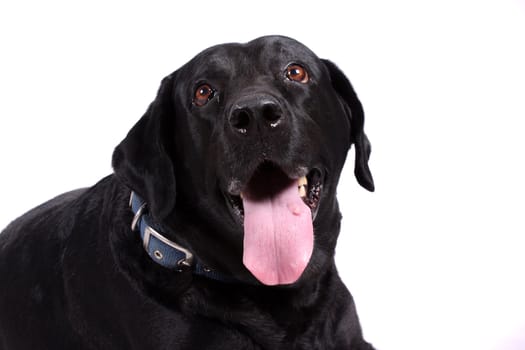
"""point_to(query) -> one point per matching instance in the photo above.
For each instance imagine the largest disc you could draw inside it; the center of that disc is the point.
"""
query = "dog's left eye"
(203, 94)
(297, 73)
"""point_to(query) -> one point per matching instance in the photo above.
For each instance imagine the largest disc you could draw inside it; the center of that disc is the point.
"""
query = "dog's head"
(239, 156)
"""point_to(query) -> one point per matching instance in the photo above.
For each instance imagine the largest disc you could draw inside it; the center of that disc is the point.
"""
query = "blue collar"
(164, 251)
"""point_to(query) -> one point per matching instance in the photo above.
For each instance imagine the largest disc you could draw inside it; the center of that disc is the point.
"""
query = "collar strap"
(162, 250)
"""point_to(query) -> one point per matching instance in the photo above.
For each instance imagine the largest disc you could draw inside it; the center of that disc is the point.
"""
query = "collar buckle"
(147, 232)
(150, 231)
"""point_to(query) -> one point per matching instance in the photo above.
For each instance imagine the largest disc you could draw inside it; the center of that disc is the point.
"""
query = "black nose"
(250, 112)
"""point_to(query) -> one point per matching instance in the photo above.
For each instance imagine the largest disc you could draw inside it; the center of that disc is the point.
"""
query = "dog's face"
(240, 154)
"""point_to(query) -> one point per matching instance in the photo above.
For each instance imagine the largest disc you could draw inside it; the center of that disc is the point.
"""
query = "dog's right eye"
(203, 94)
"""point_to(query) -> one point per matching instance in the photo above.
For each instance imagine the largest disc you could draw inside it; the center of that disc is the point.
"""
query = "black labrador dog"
(218, 227)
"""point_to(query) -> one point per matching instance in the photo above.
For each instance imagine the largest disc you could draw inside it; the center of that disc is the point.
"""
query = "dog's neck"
(164, 251)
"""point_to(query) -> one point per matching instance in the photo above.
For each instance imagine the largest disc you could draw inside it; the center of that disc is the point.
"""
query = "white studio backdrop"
(435, 257)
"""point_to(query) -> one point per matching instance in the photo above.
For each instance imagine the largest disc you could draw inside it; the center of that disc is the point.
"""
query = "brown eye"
(203, 94)
(297, 73)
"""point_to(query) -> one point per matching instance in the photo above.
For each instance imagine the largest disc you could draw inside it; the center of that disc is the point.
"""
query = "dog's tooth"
(302, 191)
(302, 183)
(241, 195)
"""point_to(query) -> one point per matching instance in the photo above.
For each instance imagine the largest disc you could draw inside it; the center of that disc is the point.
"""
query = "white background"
(435, 257)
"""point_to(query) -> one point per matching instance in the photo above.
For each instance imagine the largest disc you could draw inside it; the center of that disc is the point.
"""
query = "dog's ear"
(142, 160)
(342, 86)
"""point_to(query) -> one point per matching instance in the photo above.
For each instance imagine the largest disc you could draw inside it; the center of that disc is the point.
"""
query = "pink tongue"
(278, 233)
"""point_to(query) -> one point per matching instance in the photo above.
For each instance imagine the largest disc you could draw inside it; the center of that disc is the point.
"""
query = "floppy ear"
(141, 161)
(357, 119)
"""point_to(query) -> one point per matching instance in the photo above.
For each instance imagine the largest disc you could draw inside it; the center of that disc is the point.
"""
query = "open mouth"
(277, 213)
(270, 178)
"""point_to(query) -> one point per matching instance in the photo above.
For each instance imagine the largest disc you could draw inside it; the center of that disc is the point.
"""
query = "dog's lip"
(236, 185)
(315, 182)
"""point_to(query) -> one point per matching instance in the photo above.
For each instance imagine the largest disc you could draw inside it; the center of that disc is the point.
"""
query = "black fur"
(74, 276)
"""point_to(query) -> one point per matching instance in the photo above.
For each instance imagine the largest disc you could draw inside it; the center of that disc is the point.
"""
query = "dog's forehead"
(264, 52)
(280, 46)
